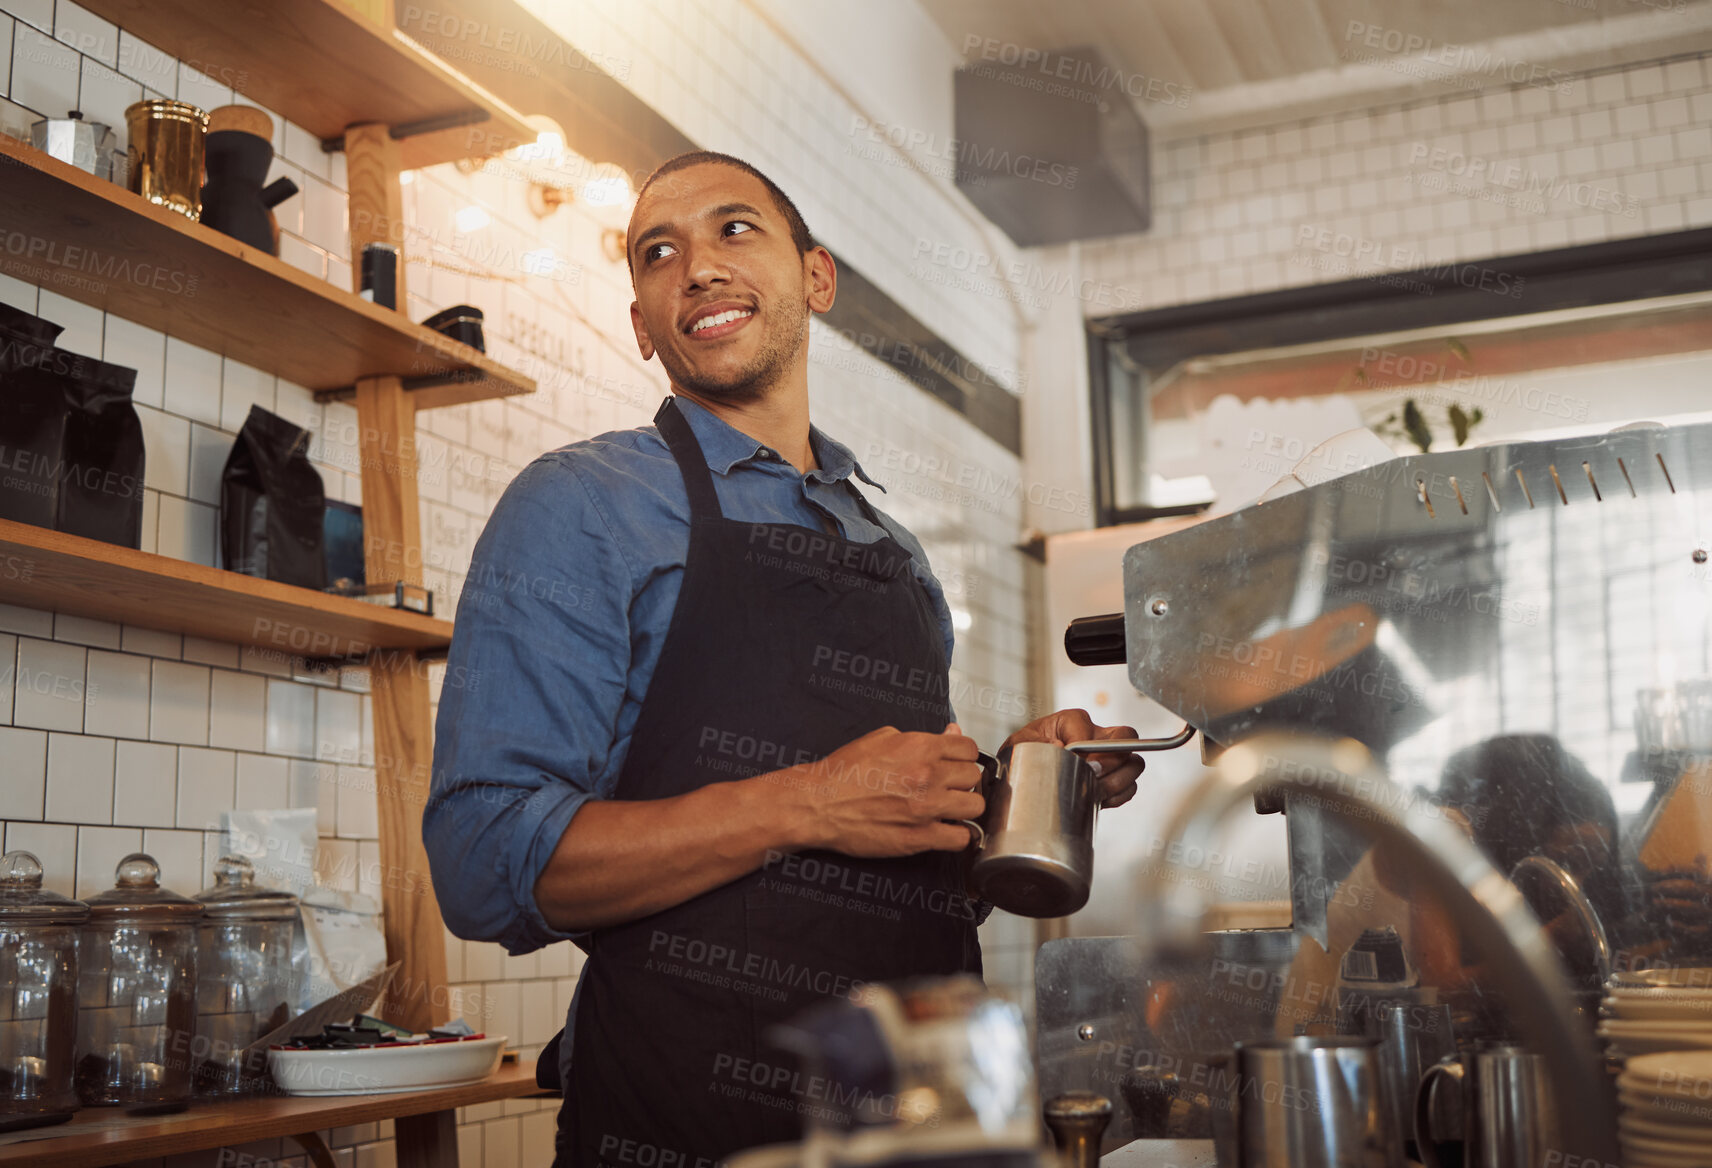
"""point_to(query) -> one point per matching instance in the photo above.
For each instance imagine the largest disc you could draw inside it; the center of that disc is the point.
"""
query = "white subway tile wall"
(8, 677)
(116, 694)
(80, 778)
(87, 33)
(157, 734)
(44, 73)
(48, 685)
(179, 703)
(23, 779)
(81, 322)
(99, 850)
(1467, 177)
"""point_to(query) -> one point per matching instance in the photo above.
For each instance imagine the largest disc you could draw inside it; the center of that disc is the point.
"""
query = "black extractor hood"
(1050, 147)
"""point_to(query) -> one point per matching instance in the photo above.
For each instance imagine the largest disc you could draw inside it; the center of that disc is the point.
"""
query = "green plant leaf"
(1459, 423)
(1415, 425)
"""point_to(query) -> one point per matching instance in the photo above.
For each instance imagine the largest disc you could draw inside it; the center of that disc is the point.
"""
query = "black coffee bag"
(32, 416)
(271, 504)
(71, 447)
(101, 487)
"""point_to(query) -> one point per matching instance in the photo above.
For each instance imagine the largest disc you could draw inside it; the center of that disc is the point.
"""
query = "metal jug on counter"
(1305, 1102)
(1507, 1113)
(1035, 840)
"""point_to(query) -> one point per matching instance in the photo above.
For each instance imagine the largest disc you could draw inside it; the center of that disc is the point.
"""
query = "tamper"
(1077, 1119)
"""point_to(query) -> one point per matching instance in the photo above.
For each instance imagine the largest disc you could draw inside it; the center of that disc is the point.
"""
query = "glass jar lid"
(23, 900)
(236, 896)
(137, 896)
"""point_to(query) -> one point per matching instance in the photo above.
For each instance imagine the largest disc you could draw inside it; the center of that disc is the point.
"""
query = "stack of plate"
(1666, 1119)
(1653, 1010)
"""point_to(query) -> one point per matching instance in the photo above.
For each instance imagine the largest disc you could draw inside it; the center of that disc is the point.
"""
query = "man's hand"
(889, 793)
(1117, 772)
(885, 794)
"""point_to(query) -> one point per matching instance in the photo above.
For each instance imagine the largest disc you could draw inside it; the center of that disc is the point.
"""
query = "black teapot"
(237, 153)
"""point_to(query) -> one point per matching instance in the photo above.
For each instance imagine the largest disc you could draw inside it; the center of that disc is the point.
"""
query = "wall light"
(558, 175)
(607, 186)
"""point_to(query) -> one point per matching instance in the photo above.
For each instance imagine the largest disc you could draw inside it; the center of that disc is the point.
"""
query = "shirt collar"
(724, 446)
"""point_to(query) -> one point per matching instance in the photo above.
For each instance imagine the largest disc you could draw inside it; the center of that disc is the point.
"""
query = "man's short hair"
(800, 234)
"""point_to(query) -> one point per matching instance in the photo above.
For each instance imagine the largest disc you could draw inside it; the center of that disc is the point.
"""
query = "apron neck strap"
(698, 480)
(692, 463)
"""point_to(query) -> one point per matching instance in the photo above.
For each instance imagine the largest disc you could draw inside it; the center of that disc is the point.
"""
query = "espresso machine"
(1477, 685)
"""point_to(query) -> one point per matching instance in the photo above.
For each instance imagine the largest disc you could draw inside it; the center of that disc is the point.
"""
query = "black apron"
(786, 643)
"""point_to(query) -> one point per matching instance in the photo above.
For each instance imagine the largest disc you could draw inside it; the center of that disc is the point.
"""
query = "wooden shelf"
(56, 572)
(97, 1135)
(93, 241)
(325, 66)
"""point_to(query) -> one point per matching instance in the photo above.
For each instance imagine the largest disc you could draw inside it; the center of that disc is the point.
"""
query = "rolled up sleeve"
(534, 682)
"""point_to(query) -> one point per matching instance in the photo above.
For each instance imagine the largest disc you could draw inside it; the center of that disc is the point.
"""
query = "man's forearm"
(621, 860)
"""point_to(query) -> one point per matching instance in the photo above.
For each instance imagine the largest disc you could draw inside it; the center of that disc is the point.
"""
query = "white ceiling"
(1253, 62)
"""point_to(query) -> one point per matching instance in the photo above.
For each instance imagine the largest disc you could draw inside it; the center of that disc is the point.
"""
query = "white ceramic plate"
(1635, 1158)
(1652, 1026)
(1664, 1106)
(1659, 1127)
(1673, 1068)
(1660, 1006)
(1685, 992)
(1687, 1153)
(386, 1070)
(1633, 1046)
(1688, 977)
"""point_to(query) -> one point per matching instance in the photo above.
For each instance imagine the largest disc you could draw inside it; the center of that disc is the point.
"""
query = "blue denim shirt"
(560, 625)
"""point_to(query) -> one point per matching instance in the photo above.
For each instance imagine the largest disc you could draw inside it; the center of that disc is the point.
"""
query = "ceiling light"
(549, 144)
(472, 218)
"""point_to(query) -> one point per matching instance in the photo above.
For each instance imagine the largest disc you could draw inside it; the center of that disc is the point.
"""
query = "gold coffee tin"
(165, 153)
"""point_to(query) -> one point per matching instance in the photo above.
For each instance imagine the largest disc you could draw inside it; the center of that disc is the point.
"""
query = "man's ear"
(821, 276)
(643, 341)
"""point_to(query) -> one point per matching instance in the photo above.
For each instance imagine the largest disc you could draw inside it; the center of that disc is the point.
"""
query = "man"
(659, 726)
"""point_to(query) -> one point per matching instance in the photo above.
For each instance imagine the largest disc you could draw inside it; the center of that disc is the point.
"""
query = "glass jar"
(38, 995)
(244, 987)
(136, 1019)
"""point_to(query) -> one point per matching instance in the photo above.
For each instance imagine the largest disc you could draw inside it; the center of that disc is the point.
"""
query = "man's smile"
(718, 321)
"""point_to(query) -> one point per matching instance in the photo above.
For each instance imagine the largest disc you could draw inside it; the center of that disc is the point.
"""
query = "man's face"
(722, 294)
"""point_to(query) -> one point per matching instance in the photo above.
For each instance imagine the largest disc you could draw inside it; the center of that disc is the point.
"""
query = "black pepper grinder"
(1077, 1120)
